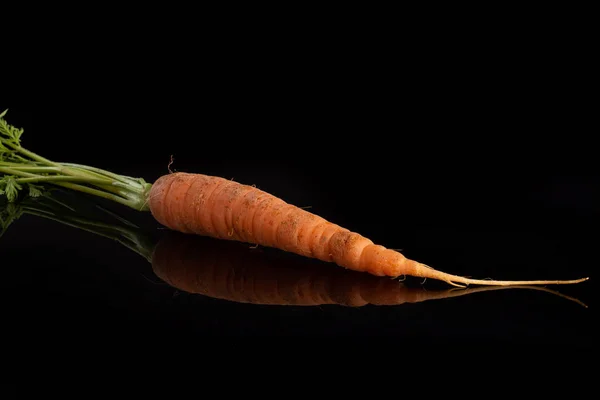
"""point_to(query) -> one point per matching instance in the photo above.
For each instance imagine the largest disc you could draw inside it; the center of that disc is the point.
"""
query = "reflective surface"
(97, 273)
(125, 282)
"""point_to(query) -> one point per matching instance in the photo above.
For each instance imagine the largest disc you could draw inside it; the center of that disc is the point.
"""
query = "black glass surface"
(465, 210)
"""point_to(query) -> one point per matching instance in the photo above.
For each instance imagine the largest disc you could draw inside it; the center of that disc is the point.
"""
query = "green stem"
(107, 184)
(17, 172)
(21, 163)
(77, 169)
(32, 155)
(133, 203)
(33, 178)
(61, 178)
(31, 167)
(122, 178)
(124, 190)
(15, 155)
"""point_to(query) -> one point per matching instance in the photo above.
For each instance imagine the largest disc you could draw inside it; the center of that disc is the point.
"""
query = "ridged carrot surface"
(225, 209)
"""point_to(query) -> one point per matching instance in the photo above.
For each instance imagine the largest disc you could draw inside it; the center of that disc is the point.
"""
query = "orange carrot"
(232, 271)
(225, 209)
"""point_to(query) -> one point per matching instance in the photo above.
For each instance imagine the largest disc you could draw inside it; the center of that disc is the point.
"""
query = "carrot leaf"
(10, 187)
(34, 190)
(12, 134)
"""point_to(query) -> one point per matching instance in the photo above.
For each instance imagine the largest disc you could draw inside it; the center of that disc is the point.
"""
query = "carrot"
(225, 209)
(220, 208)
(234, 272)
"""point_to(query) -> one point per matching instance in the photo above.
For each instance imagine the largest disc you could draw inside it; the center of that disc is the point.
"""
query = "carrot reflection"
(235, 272)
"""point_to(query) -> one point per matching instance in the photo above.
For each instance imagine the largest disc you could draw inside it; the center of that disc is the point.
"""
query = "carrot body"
(225, 209)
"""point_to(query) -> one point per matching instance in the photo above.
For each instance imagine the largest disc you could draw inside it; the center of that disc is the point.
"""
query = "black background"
(481, 168)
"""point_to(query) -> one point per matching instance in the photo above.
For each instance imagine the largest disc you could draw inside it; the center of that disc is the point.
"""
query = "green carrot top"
(23, 170)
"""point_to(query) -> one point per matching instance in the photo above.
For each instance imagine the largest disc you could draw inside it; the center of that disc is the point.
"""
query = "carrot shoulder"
(225, 209)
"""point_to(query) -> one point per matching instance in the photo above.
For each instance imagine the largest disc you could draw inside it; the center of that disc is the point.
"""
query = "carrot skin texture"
(225, 209)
